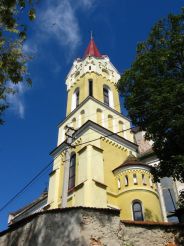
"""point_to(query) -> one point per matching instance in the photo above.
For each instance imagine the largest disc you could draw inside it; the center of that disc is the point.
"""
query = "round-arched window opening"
(71, 181)
(137, 211)
(75, 99)
(108, 96)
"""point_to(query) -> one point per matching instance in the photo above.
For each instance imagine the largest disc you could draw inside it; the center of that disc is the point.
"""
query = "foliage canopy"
(12, 36)
(154, 93)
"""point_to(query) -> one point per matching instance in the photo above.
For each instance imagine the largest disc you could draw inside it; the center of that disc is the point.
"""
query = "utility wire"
(108, 135)
(48, 165)
(26, 186)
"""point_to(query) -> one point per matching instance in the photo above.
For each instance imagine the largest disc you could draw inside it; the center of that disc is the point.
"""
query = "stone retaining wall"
(89, 226)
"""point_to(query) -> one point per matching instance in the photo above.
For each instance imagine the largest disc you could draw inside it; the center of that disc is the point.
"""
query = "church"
(95, 162)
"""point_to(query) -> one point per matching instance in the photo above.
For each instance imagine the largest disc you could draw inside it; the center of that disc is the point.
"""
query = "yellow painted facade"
(100, 151)
(99, 81)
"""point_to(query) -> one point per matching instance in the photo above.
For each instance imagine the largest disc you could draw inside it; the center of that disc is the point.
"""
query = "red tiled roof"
(92, 50)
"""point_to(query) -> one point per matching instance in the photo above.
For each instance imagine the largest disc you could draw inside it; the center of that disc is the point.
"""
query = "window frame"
(135, 180)
(72, 169)
(138, 211)
(106, 97)
(126, 180)
(144, 179)
(90, 86)
(77, 93)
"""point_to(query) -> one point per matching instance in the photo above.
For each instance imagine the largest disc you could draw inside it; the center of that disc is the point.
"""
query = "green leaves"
(154, 93)
(32, 14)
(13, 33)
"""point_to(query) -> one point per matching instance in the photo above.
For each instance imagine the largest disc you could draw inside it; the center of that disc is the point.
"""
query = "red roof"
(92, 50)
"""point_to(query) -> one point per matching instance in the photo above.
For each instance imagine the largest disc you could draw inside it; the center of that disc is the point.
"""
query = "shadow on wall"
(148, 215)
(72, 227)
(43, 232)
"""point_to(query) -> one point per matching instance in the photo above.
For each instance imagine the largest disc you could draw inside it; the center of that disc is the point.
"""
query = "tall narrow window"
(126, 180)
(119, 184)
(106, 95)
(71, 183)
(137, 211)
(77, 97)
(150, 181)
(143, 179)
(90, 87)
(135, 178)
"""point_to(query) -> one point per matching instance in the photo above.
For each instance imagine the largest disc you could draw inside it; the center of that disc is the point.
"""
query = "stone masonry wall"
(89, 226)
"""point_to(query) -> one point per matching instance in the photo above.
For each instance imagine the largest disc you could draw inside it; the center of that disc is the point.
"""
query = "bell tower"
(94, 76)
(102, 138)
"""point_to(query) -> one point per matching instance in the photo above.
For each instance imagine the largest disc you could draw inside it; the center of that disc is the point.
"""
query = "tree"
(12, 36)
(154, 93)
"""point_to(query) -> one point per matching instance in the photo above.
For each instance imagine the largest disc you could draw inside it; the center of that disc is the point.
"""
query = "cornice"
(94, 100)
(98, 65)
(101, 130)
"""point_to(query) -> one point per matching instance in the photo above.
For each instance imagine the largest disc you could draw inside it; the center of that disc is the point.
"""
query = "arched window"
(75, 99)
(71, 182)
(119, 183)
(126, 180)
(143, 179)
(150, 181)
(137, 210)
(108, 96)
(90, 84)
(135, 178)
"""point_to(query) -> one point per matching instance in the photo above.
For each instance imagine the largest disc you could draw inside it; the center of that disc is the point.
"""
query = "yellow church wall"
(99, 195)
(113, 155)
(96, 185)
(90, 112)
(141, 189)
(98, 82)
(95, 195)
(83, 93)
(55, 183)
(150, 205)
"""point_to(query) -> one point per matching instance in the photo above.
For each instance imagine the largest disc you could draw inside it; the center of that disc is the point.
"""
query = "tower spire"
(91, 34)
(92, 50)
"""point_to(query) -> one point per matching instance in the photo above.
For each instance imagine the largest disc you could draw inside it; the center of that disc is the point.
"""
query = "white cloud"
(59, 21)
(16, 100)
(30, 48)
(87, 4)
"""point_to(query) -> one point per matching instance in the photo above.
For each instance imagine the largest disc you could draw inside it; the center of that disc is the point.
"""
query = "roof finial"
(91, 34)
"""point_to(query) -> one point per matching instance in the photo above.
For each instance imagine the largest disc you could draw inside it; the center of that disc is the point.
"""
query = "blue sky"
(60, 34)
